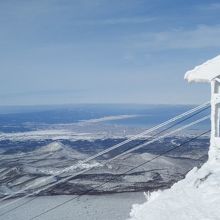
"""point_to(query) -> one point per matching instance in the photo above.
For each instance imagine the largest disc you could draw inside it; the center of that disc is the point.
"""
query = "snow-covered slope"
(58, 150)
(197, 197)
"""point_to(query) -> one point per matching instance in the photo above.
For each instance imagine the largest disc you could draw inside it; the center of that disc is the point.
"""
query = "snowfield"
(197, 197)
(102, 207)
(106, 118)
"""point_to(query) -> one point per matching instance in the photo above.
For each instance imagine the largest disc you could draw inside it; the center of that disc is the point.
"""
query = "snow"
(52, 147)
(106, 118)
(101, 207)
(205, 72)
(197, 197)
(53, 134)
(56, 149)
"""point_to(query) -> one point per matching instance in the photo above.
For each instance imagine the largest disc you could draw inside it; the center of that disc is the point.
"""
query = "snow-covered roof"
(204, 72)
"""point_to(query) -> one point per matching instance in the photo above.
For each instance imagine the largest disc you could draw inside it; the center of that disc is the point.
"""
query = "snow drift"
(197, 197)
(204, 72)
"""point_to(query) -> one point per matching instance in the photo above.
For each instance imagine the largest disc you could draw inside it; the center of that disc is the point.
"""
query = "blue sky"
(101, 51)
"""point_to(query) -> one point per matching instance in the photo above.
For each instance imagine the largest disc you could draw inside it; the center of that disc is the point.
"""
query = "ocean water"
(20, 119)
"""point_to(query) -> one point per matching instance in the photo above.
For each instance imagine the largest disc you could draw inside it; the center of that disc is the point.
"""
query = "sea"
(28, 118)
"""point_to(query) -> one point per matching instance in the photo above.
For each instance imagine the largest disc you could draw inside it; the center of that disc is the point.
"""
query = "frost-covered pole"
(210, 72)
(213, 122)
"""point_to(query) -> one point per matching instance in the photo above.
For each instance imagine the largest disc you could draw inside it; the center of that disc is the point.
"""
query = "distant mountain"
(20, 169)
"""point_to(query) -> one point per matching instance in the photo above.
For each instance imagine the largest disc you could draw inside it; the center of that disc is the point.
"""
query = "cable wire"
(173, 125)
(102, 184)
(108, 161)
(86, 170)
(122, 154)
(112, 148)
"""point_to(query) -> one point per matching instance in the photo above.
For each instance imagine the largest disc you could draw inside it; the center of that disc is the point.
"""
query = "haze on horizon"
(83, 51)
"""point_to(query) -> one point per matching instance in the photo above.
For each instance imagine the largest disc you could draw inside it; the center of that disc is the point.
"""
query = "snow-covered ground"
(50, 134)
(197, 197)
(106, 118)
(102, 207)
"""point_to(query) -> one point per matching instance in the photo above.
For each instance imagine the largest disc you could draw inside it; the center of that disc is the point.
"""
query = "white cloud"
(116, 21)
(212, 6)
(201, 37)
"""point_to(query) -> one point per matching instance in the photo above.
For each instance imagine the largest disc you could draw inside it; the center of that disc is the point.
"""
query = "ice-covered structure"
(210, 72)
(197, 197)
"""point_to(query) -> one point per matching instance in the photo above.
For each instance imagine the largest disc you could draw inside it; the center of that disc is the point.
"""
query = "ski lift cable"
(108, 161)
(173, 125)
(117, 156)
(204, 105)
(126, 172)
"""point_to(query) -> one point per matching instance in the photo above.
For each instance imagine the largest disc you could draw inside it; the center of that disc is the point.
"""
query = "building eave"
(205, 72)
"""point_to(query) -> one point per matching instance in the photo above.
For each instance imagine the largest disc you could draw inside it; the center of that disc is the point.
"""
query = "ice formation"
(197, 197)
(205, 72)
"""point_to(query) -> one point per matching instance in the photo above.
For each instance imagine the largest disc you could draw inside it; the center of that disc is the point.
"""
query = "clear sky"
(105, 51)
